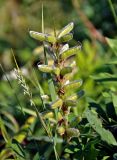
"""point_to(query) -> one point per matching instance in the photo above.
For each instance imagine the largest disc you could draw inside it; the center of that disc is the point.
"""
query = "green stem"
(113, 11)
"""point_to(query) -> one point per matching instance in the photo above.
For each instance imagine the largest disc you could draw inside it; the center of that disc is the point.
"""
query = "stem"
(113, 11)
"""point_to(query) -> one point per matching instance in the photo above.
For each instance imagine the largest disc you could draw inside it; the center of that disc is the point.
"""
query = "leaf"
(5, 153)
(113, 44)
(44, 138)
(114, 156)
(114, 99)
(112, 61)
(106, 95)
(96, 124)
(70, 52)
(105, 157)
(42, 37)
(67, 150)
(28, 111)
(104, 77)
(17, 148)
(12, 120)
(36, 157)
(4, 131)
(66, 30)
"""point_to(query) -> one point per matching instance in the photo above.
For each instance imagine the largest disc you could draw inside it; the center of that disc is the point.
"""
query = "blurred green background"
(17, 17)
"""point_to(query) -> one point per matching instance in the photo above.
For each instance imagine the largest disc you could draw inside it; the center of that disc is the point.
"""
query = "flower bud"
(66, 30)
(65, 38)
(47, 114)
(73, 85)
(72, 132)
(42, 37)
(70, 103)
(49, 69)
(61, 130)
(56, 104)
(70, 52)
(59, 116)
(76, 96)
(65, 70)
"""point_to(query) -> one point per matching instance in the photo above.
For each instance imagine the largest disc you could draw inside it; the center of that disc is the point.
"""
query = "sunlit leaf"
(114, 99)
(113, 44)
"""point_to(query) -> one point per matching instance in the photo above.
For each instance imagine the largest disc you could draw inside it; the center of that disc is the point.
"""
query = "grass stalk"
(113, 11)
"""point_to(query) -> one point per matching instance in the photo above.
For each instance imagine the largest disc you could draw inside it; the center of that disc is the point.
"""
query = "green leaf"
(96, 124)
(66, 30)
(4, 131)
(113, 44)
(112, 61)
(67, 150)
(105, 157)
(5, 153)
(114, 99)
(36, 157)
(104, 77)
(17, 148)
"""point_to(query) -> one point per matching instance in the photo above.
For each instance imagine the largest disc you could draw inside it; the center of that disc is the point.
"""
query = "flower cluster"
(61, 70)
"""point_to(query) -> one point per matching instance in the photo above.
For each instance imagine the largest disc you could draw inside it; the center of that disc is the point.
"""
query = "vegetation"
(58, 100)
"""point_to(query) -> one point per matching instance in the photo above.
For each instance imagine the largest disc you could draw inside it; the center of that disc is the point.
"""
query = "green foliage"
(97, 126)
(17, 148)
(113, 44)
(49, 121)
